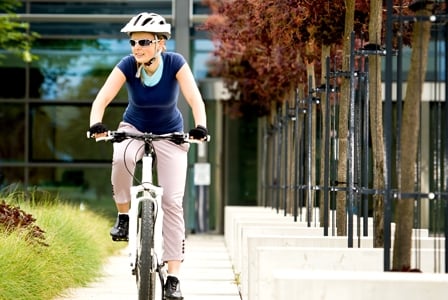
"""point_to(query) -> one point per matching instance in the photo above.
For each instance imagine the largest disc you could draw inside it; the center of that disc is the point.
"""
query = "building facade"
(45, 105)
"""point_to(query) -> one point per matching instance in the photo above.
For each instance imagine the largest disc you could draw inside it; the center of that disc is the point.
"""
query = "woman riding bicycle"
(153, 78)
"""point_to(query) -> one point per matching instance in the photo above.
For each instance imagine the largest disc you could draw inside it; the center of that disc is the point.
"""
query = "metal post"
(264, 166)
(182, 46)
(296, 141)
(327, 152)
(182, 9)
(309, 162)
(351, 144)
(278, 161)
(366, 161)
(285, 157)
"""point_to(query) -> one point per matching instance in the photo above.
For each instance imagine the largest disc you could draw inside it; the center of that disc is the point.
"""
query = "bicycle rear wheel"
(146, 274)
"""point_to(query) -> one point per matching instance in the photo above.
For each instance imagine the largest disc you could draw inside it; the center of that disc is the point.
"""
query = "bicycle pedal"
(119, 239)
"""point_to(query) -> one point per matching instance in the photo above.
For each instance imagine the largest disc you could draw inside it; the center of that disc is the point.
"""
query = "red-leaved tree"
(257, 50)
(264, 50)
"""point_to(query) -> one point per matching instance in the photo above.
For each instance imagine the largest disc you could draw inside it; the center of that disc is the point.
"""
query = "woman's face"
(143, 46)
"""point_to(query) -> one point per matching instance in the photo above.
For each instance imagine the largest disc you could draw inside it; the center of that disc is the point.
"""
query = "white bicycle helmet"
(148, 22)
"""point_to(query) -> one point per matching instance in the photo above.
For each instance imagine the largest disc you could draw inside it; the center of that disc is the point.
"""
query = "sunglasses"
(142, 43)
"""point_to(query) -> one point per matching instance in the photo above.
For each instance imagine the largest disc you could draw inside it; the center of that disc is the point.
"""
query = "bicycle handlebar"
(175, 137)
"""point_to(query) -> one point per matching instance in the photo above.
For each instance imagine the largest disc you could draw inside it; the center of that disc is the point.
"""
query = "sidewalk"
(206, 274)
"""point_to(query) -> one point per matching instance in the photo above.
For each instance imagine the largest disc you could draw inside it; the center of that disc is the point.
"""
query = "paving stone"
(206, 274)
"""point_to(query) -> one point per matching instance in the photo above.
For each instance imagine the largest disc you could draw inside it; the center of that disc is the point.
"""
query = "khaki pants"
(171, 174)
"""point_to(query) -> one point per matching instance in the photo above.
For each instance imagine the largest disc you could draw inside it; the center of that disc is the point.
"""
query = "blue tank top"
(153, 109)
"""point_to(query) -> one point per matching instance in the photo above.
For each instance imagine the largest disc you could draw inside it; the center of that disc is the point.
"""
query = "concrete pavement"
(207, 273)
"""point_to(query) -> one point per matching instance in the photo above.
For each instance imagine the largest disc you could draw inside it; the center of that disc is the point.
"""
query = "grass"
(78, 244)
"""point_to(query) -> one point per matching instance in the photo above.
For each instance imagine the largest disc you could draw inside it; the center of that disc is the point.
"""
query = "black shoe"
(120, 230)
(172, 289)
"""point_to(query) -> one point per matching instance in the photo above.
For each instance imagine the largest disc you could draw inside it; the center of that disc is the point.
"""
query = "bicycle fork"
(149, 192)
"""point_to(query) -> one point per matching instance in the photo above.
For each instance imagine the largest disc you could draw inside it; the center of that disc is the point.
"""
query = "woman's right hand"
(97, 130)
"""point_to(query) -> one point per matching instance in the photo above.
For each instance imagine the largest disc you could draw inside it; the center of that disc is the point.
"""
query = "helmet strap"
(153, 59)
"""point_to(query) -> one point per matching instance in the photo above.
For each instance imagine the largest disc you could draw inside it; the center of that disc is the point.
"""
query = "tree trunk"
(341, 213)
(409, 141)
(311, 73)
(376, 122)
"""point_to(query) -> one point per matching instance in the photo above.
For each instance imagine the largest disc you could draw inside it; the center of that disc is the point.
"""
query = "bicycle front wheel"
(146, 274)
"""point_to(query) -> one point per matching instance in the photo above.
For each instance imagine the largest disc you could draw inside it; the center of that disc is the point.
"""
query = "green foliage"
(262, 47)
(77, 242)
(14, 34)
(8, 6)
(262, 53)
(257, 51)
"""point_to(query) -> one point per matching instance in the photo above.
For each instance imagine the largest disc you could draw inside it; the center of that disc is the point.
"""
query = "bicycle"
(146, 214)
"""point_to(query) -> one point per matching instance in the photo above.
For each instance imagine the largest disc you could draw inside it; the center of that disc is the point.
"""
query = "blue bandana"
(154, 78)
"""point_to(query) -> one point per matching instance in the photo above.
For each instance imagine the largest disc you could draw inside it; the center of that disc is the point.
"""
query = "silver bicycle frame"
(143, 192)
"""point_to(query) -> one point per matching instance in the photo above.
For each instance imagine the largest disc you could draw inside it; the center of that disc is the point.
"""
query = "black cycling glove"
(198, 133)
(96, 128)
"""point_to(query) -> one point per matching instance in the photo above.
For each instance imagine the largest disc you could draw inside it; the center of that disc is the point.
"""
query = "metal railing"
(300, 152)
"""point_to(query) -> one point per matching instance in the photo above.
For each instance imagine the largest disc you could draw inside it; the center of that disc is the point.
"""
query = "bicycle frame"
(149, 192)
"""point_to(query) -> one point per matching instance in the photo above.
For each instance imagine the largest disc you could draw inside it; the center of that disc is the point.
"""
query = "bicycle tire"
(145, 273)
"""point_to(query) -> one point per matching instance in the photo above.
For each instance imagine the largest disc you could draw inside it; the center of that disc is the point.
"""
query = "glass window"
(73, 183)
(12, 131)
(58, 133)
(10, 176)
(436, 61)
(13, 74)
(202, 55)
(76, 70)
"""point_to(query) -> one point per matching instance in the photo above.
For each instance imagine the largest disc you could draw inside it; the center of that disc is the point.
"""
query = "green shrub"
(76, 245)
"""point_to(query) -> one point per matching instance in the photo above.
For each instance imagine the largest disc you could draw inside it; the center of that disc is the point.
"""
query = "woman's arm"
(192, 95)
(107, 93)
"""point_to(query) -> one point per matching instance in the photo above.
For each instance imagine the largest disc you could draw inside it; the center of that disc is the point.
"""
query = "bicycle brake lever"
(179, 138)
(118, 137)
